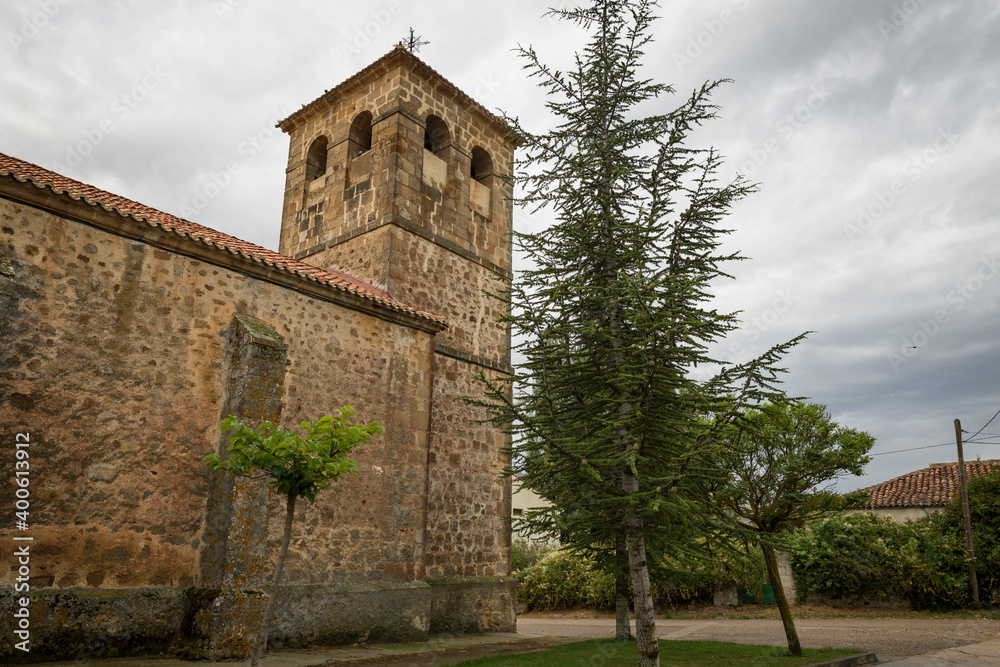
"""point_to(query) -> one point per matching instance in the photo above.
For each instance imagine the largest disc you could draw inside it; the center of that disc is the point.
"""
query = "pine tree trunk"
(645, 624)
(642, 592)
(285, 539)
(779, 595)
(623, 627)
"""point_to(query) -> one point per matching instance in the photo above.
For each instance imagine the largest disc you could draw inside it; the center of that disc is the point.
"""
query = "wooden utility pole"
(962, 481)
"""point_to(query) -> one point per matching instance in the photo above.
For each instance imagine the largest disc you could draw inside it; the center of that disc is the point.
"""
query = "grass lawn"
(609, 653)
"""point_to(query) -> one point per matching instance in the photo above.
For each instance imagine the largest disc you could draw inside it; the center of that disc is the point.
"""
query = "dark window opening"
(482, 166)
(316, 159)
(436, 136)
(360, 136)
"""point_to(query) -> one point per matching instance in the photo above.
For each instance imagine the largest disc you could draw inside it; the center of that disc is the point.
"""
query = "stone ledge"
(307, 614)
(473, 604)
(437, 239)
(455, 353)
(66, 624)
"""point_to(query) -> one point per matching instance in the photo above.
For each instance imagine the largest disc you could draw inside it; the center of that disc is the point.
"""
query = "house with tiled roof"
(128, 333)
(925, 491)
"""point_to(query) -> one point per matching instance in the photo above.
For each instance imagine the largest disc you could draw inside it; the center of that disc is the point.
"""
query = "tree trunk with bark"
(623, 626)
(779, 595)
(642, 591)
(258, 650)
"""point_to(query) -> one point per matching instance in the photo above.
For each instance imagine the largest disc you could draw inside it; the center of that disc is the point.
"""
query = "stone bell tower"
(393, 179)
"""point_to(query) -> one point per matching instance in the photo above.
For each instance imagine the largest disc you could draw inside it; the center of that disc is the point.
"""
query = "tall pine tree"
(611, 316)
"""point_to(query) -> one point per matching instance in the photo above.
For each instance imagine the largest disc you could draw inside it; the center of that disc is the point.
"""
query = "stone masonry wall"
(468, 503)
(343, 198)
(449, 285)
(111, 357)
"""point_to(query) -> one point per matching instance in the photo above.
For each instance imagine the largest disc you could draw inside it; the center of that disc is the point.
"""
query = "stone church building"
(127, 334)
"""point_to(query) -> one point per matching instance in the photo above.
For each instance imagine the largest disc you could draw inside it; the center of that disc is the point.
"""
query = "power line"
(912, 449)
(984, 427)
(947, 444)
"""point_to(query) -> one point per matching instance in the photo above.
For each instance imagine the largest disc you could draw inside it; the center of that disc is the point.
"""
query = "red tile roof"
(62, 185)
(934, 486)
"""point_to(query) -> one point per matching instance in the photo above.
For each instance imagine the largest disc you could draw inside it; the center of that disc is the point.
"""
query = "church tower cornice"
(396, 58)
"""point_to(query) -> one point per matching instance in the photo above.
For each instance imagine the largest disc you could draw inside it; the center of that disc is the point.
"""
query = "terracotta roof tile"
(68, 187)
(934, 486)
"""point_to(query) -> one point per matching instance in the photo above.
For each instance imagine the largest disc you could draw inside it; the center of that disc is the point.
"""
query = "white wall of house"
(902, 514)
(523, 499)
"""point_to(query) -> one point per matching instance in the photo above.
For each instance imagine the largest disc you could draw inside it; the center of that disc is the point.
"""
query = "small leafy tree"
(297, 465)
(778, 457)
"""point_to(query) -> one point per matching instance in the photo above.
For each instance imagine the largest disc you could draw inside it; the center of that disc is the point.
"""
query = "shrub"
(938, 577)
(984, 513)
(848, 556)
(561, 580)
(696, 575)
(525, 553)
(862, 554)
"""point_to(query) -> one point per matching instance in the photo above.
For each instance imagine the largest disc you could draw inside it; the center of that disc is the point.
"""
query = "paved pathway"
(982, 654)
(889, 639)
(909, 642)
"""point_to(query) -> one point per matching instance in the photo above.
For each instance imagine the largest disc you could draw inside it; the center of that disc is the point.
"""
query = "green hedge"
(984, 510)
(859, 555)
(563, 580)
(525, 553)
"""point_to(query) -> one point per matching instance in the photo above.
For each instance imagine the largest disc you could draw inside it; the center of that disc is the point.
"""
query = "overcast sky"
(872, 127)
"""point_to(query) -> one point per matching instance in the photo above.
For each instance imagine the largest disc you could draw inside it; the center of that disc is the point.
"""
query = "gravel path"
(887, 638)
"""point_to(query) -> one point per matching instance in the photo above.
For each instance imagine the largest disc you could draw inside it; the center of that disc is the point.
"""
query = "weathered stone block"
(235, 558)
(351, 613)
(473, 604)
(93, 624)
(225, 622)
